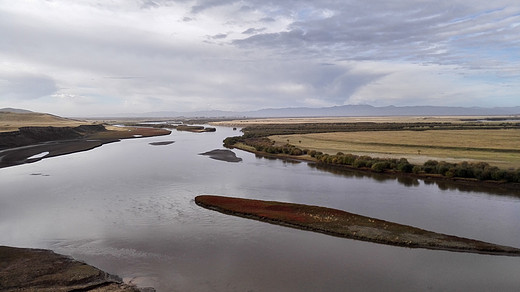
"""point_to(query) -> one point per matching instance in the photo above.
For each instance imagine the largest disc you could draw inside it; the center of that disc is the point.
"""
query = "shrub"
(464, 170)
(405, 167)
(443, 167)
(296, 152)
(498, 174)
(430, 166)
(359, 162)
(349, 159)
(380, 166)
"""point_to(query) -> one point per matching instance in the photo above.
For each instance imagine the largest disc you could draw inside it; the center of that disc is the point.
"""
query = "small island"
(195, 129)
(223, 155)
(348, 225)
(161, 143)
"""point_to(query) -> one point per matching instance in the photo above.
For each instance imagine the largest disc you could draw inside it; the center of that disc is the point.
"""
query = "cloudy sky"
(87, 57)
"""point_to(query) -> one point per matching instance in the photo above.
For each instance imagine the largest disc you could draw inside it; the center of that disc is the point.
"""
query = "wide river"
(128, 208)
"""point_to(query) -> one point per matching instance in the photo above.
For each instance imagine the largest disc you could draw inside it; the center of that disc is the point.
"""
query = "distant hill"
(367, 110)
(14, 110)
(344, 111)
(13, 119)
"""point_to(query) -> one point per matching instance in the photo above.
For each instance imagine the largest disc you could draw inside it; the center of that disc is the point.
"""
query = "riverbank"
(32, 144)
(344, 224)
(497, 187)
(24, 269)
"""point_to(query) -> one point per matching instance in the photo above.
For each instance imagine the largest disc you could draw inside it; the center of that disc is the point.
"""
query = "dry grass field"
(390, 119)
(13, 121)
(496, 147)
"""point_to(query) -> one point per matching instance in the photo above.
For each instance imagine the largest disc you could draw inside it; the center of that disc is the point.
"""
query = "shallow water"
(128, 208)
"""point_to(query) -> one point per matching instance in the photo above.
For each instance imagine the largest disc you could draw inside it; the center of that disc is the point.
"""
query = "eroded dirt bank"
(23, 269)
(31, 144)
(344, 224)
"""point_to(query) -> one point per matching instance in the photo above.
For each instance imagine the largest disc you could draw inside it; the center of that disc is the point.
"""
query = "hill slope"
(13, 119)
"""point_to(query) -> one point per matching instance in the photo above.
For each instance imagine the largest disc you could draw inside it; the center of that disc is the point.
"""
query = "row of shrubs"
(376, 164)
(480, 170)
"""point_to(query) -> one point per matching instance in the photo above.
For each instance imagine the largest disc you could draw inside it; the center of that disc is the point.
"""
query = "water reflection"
(285, 161)
(410, 181)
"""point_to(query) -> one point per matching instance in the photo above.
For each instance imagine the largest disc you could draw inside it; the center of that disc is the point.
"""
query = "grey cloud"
(202, 5)
(333, 83)
(267, 19)
(219, 36)
(123, 77)
(26, 86)
(253, 30)
(147, 4)
(403, 30)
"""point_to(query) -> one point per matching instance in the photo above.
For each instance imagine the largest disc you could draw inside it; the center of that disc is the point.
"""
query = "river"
(128, 208)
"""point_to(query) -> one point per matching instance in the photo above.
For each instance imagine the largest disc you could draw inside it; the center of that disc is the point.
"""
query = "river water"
(128, 208)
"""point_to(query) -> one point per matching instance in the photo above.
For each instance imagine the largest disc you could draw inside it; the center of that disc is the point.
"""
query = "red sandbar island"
(344, 224)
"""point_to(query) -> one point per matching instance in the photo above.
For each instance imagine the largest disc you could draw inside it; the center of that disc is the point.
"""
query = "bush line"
(480, 170)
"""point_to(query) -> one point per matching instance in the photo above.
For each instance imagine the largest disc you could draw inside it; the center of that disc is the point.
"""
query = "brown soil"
(23, 269)
(344, 224)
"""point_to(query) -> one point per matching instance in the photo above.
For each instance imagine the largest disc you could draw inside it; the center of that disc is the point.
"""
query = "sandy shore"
(344, 224)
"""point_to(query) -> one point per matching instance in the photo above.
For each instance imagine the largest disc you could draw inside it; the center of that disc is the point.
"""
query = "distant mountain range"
(343, 111)
(334, 111)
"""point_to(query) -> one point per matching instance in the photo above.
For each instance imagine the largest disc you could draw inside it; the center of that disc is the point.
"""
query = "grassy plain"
(390, 119)
(496, 147)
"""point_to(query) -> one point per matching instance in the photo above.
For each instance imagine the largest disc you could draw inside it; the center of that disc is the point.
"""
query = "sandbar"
(348, 225)
(222, 154)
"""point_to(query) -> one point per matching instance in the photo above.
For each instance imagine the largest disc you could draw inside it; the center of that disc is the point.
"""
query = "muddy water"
(128, 208)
